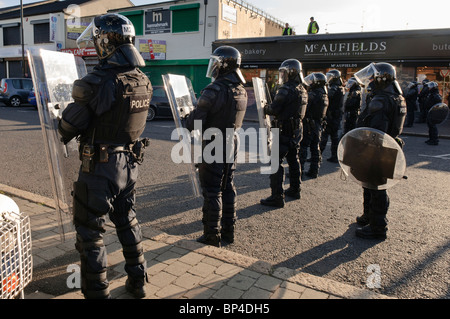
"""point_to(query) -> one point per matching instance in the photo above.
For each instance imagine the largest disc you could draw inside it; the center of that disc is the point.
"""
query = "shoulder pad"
(211, 91)
(213, 86)
(95, 77)
(82, 92)
(283, 90)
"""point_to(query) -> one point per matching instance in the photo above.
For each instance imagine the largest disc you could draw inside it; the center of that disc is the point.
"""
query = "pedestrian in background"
(313, 26)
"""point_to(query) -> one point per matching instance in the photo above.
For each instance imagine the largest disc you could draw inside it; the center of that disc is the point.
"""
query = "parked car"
(159, 105)
(32, 98)
(15, 91)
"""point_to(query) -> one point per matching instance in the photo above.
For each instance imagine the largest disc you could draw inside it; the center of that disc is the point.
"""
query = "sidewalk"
(178, 268)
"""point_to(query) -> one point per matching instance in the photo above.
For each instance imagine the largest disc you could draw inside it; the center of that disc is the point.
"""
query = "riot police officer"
(288, 108)
(433, 98)
(352, 104)
(411, 103)
(385, 112)
(334, 113)
(312, 122)
(421, 99)
(222, 106)
(108, 116)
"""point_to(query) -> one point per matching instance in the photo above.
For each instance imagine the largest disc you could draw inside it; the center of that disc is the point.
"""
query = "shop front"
(416, 54)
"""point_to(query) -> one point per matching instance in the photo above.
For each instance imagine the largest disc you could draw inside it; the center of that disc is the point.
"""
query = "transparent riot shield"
(182, 101)
(438, 113)
(371, 158)
(264, 120)
(53, 74)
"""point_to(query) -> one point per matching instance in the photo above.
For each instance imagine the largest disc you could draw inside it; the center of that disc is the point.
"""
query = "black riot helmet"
(290, 69)
(111, 33)
(351, 83)
(225, 59)
(334, 77)
(412, 84)
(433, 86)
(316, 80)
(383, 75)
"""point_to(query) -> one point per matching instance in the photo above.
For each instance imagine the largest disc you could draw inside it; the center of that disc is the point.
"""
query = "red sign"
(445, 72)
(81, 52)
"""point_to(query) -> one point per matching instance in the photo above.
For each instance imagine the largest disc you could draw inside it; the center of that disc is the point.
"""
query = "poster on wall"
(153, 49)
(157, 21)
(53, 27)
(76, 28)
(229, 14)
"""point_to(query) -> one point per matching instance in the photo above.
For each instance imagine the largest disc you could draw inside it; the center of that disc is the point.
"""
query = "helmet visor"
(365, 75)
(213, 67)
(310, 79)
(87, 36)
(350, 83)
(329, 76)
(282, 75)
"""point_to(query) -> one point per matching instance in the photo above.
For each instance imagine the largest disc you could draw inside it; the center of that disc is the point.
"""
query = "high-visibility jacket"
(287, 31)
(313, 27)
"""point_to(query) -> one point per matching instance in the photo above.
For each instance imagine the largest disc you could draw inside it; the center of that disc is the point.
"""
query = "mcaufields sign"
(388, 46)
(335, 49)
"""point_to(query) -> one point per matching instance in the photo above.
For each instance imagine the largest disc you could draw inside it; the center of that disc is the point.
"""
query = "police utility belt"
(287, 126)
(90, 154)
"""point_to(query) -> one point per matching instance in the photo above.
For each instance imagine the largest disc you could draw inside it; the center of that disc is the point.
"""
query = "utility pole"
(21, 38)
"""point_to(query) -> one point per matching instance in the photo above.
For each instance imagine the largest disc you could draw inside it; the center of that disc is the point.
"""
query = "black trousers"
(331, 130)
(219, 194)
(312, 133)
(109, 190)
(433, 133)
(376, 205)
(289, 150)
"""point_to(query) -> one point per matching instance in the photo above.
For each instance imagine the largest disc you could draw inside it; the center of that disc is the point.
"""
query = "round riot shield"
(438, 113)
(371, 158)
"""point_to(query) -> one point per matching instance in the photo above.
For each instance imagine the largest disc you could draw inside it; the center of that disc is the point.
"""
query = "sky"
(334, 16)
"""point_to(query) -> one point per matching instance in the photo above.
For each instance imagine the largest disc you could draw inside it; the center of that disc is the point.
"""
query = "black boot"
(227, 234)
(136, 287)
(274, 201)
(369, 232)
(312, 174)
(362, 220)
(209, 237)
(292, 192)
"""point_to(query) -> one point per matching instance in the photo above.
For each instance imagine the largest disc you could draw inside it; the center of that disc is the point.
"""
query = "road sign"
(445, 72)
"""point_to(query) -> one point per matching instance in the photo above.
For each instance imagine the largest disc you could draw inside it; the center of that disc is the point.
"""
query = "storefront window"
(437, 74)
